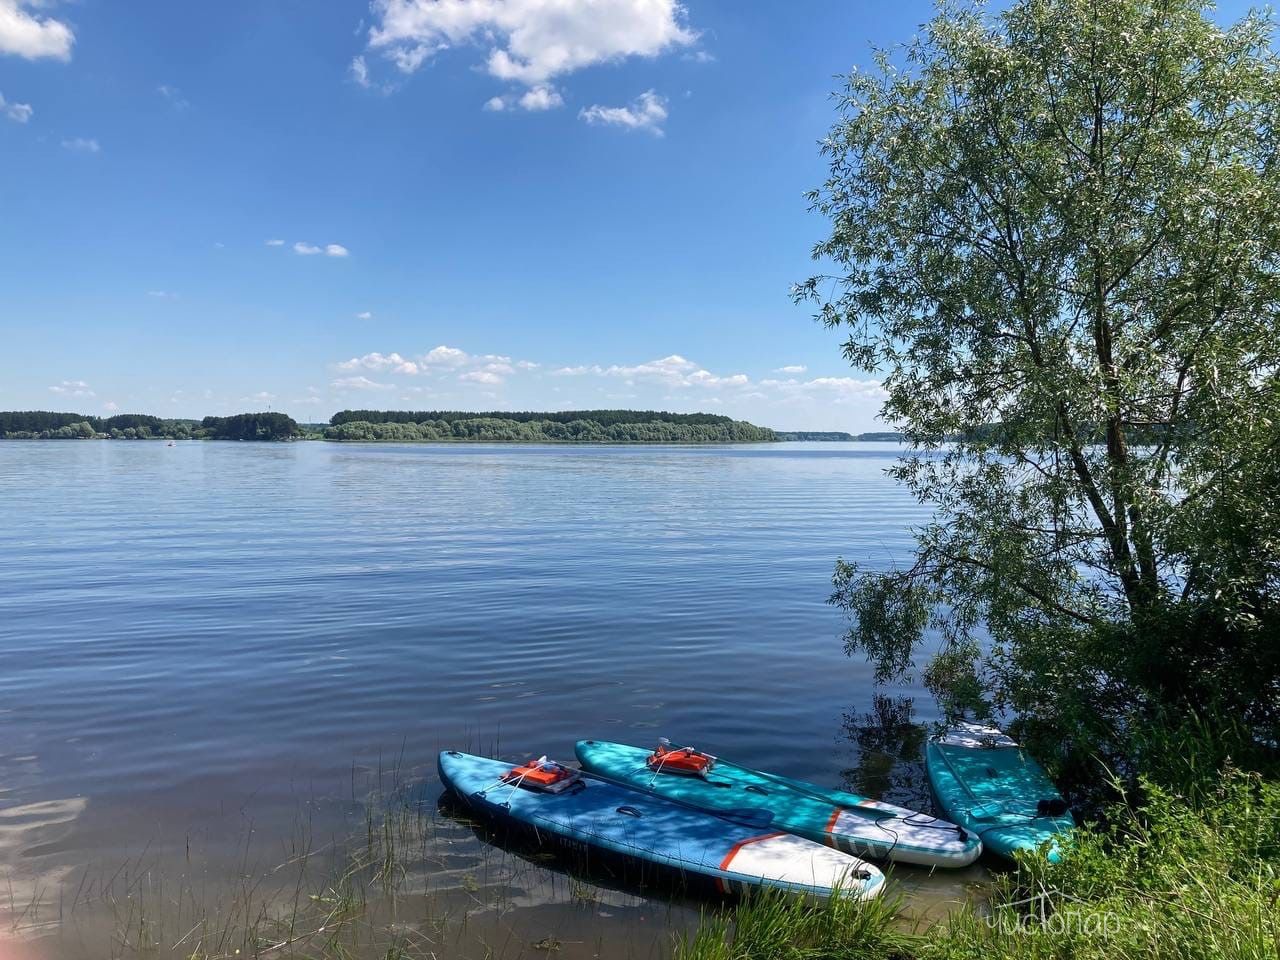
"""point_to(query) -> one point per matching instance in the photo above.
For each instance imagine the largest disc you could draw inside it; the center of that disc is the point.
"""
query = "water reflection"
(31, 837)
(889, 753)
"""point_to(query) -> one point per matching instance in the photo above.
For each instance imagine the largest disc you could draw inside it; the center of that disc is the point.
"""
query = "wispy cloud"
(17, 112)
(82, 145)
(275, 243)
(161, 295)
(364, 315)
(359, 383)
(174, 96)
(529, 42)
(647, 112)
(30, 35)
(793, 368)
(359, 71)
(72, 388)
(304, 249)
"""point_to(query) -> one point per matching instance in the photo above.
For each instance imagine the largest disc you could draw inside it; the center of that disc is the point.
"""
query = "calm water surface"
(199, 641)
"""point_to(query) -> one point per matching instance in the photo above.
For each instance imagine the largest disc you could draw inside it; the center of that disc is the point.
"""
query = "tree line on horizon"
(605, 418)
(594, 426)
(575, 427)
(48, 425)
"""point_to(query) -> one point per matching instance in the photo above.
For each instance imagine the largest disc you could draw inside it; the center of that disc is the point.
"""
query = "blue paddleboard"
(733, 854)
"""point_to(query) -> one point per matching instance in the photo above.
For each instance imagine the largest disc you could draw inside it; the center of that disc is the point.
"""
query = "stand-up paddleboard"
(586, 812)
(842, 820)
(984, 781)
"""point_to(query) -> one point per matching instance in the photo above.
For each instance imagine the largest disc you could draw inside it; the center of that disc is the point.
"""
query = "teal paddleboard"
(845, 821)
(985, 782)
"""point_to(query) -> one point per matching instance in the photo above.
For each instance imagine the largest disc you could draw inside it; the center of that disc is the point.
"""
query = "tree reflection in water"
(889, 754)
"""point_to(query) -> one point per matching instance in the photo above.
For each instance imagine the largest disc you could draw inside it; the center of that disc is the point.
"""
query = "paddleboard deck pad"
(596, 815)
(844, 821)
(984, 781)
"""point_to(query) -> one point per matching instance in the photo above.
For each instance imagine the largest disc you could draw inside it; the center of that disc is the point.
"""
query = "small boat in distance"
(845, 821)
(580, 812)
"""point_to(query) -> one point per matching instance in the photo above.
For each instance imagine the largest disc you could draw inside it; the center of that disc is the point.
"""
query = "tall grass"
(771, 925)
(1171, 876)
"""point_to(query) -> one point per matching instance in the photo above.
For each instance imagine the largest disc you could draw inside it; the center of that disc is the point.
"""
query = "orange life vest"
(541, 774)
(683, 760)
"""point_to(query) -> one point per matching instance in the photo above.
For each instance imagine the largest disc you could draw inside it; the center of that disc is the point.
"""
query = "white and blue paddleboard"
(734, 854)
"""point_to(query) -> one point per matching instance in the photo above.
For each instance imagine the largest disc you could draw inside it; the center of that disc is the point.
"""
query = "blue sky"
(465, 204)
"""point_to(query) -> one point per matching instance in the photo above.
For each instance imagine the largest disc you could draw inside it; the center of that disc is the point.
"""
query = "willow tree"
(1056, 236)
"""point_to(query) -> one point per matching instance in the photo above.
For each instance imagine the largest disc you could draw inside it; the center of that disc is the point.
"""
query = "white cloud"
(162, 295)
(261, 397)
(392, 362)
(359, 71)
(838, 390)
(672, 371)
(275, 243)
(72, 388)
(535, 100)
(577, 371)
(364, 315)
(445, 356)
(541, 98)
(527, 365)
(480, 376)
(17, 112)
(82, 144)
(529, 41)
(32, 36)
(174, 96)
(111, 406)
(699, 56)
(359, 383)
(793, 368)
(304, 249)
(647, 112)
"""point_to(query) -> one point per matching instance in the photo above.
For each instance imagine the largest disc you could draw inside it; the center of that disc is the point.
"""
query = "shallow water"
(203, 645)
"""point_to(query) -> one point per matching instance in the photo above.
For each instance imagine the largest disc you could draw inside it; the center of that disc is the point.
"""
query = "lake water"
(203, 645)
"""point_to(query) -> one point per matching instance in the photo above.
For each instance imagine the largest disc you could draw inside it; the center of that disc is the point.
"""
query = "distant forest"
(585, 426)
(606, 418)
(44, 425)
(826, 435)
(573, 426)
